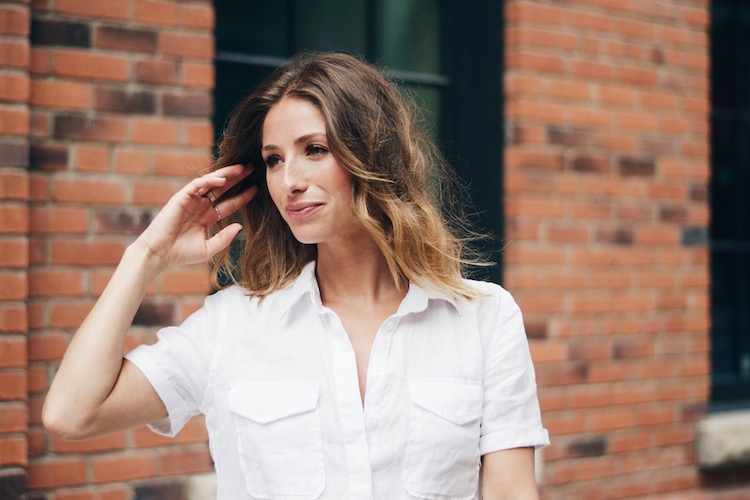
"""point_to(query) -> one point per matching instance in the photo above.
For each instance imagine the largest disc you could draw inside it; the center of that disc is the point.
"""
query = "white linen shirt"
(448, 381)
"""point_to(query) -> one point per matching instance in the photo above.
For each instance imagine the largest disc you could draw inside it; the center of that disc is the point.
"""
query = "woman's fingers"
(220, 181)
(227, 207)
(222, 239)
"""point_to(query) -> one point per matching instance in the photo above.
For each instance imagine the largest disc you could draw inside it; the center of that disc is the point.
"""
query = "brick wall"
(113, 102)
(14, 243)
(606, 186)
(104, 112)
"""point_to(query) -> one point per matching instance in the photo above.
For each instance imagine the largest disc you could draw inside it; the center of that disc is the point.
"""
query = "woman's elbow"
(65, 423)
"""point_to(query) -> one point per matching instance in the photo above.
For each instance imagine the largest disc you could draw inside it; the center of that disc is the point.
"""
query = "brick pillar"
(120, 120)
(14, 244)
(606, 179)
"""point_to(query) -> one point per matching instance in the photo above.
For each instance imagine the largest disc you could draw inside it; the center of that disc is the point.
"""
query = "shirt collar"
(416, 300)
(304, 284)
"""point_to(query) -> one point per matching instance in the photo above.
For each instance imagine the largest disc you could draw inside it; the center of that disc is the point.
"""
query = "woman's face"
(308, 185)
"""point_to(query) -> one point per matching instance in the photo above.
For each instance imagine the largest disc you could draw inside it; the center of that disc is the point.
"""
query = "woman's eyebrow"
(297, 141)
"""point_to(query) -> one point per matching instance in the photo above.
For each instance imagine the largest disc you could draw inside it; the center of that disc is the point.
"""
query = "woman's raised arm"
(94, 392)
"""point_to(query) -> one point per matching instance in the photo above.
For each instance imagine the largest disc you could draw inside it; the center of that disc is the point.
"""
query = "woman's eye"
(316, 150)
(271, 161)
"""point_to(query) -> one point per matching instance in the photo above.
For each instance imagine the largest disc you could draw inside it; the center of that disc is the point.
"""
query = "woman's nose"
(294, 176)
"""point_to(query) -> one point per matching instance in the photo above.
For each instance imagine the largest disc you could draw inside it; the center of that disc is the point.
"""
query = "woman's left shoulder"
(489, 294)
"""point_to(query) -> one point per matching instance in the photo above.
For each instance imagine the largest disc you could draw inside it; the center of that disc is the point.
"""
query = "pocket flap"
(265, 402)
(458, 401)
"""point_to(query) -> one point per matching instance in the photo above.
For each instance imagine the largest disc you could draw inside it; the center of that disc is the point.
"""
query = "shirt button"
(373, 422)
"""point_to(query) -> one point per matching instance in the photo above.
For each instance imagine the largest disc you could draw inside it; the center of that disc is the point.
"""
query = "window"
(455, 79)
(730, 201)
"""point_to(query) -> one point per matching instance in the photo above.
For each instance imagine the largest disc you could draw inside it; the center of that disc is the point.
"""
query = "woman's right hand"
(177, 235)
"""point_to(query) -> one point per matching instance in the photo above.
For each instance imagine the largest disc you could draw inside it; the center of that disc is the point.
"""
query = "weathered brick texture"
(607, 120)
(116, 98)
(105, 111)
(15, 90)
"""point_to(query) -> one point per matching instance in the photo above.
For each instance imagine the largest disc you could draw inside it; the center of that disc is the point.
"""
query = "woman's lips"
(299, 211)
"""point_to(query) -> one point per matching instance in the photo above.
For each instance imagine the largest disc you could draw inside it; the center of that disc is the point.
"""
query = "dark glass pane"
(233, 83)
(427, 103)
(324, 25)
(252, 27)
(723, 179)
(410, 35)
(723, 317)
(730, 200)
(723, 42)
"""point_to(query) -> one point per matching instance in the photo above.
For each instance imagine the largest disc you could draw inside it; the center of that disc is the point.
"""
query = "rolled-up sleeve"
(178, 366)
(511, 417)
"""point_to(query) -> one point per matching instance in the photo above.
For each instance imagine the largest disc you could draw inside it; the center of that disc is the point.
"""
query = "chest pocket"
(279, 438)
(442, 453)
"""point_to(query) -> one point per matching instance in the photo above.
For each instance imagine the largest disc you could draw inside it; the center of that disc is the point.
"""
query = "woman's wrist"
(147, 262)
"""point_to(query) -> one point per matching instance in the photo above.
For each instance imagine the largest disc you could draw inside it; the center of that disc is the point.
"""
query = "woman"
(350, 359)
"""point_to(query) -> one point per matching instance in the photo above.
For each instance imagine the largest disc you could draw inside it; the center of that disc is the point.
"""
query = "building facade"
(583, 127)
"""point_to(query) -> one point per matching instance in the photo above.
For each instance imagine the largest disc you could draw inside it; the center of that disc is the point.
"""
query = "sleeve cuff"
(177, 409)
(514, 438)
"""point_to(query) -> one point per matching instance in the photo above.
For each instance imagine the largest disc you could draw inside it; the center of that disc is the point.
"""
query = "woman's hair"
(399, 180)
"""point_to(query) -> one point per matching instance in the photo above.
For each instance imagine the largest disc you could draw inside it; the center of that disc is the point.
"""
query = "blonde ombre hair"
(399, 180)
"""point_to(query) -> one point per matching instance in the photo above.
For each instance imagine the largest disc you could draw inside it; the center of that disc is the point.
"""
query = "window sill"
(723, 440)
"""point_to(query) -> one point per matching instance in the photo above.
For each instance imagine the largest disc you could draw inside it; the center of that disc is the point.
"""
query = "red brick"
(14, 54)
(152, 131)
(158, 13)
(85, 253)
(58, 220)
(14, 121)
(131, 161)
(198, 134)
(12, 352)
(13, 285)
(110, 442)
(38, 378)
(55, 283)
(190, 461)
(13, 318)
(14, 450)
(14, 252)
(181, 163)
(41, 61)
(85, 65)
(13, 417)
(152, 193)
(14, 185)
(56, 472)
(120, 468)
(197, 16)
(14, 20)
(111, 9)
(187, 45)
(13, 384)
(548, 352)
(91, 158)
(14, 87)
(89, 191)
(157, 72)
(186, 280)
(79, 127)
(68, 314)
(60, 94)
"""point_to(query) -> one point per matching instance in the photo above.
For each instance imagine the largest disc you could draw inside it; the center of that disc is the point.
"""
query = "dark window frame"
(729, 240)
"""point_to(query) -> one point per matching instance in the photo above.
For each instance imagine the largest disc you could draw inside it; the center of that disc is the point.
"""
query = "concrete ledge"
(201, 486)
(723, 440)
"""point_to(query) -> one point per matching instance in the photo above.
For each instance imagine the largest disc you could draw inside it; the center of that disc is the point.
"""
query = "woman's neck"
(357, 272)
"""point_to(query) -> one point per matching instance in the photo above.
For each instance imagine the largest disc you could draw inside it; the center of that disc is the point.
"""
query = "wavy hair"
(403, 194)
